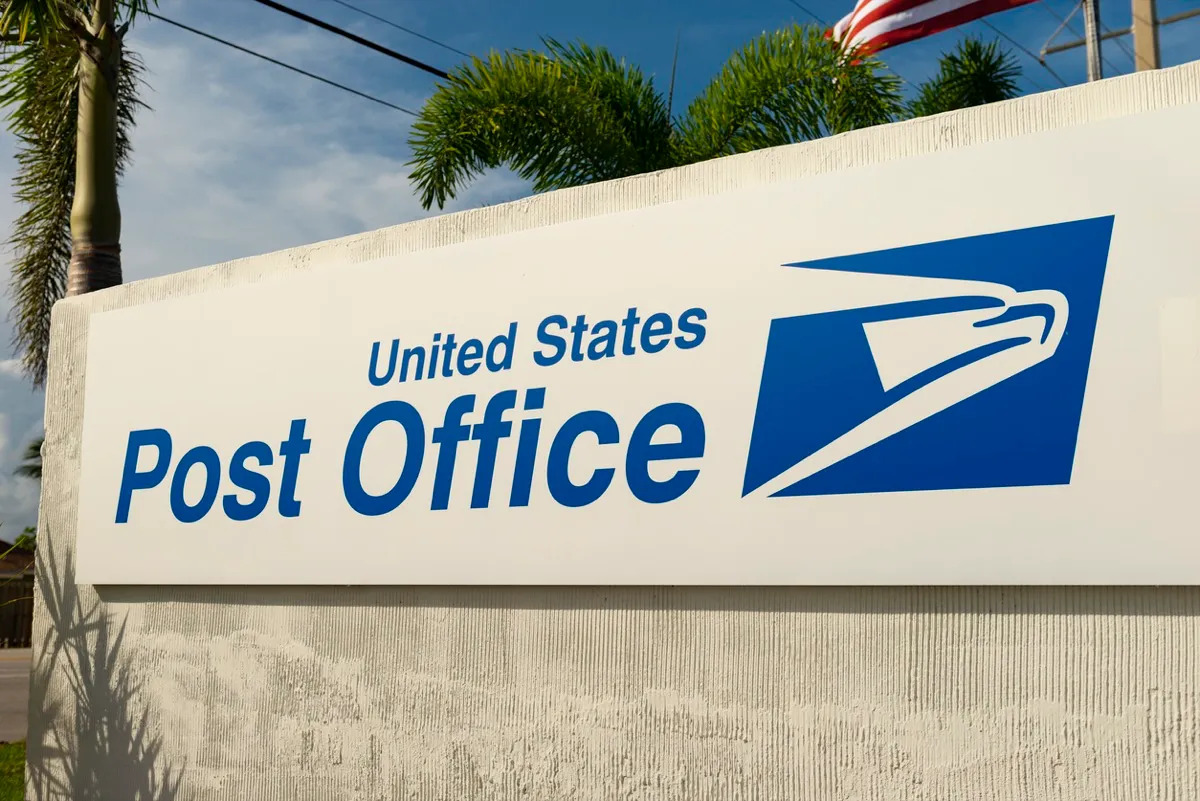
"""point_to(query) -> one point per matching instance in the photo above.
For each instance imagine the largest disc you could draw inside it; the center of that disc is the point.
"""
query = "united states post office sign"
(977, 366)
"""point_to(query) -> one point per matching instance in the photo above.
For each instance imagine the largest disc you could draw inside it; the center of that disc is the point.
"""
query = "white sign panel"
(978, 366)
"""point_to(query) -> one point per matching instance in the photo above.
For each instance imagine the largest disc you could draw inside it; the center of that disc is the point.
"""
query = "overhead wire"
(399, 27)
(345, 34)
(434, 70)
(1026, 51)
(1066, 23)
(809, 13)
(279, 63)
(1120, 43)
(1103, 29)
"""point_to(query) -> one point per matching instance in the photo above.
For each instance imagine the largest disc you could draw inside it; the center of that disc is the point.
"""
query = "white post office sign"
(977, 366)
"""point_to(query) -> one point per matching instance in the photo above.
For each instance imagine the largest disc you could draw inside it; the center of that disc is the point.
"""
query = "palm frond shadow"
(100, 747)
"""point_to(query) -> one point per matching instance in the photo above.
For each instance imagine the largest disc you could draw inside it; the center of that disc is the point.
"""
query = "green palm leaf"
(788, 86)
(31, 460)
(576, 114)
(571, 116)
(972, 74)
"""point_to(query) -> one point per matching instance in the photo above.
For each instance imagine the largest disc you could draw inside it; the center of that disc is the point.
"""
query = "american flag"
(877, 24)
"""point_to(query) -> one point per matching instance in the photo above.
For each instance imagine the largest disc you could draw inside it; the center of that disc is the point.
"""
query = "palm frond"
(626, 96)
(129, 10)
(31, 460)
(26, 20)
(972, 74)
(571, 116)
(864, 94)
(45, 20)
(787, 86)
(26, 540)
(39, 88)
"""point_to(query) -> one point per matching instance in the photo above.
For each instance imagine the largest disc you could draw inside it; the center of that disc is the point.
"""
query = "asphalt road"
(14, 693)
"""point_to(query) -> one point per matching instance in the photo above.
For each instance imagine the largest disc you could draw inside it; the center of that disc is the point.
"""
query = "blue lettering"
(464, 420)
(243, 477)
(527, 442)
(546, 338)
(294, 446)
(207, 458)
(433, 355)
(414, 439)
(629, 326)
(373, 374)
(604, 340)
(488, 434)
(577, 332)
(558, 481)
(469, 355)
(447, 436)
(447, 355)
(131, 479)
(690, 323)
(641, 452)
(417, 355)
(657, 325)
(506, 341)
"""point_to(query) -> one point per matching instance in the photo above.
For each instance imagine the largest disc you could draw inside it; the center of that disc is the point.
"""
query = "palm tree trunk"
(95, 213)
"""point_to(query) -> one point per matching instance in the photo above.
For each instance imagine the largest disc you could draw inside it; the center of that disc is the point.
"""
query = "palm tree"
(31, 460)
(576, 114)
(972, 75)
(30, 467)
(70, 87)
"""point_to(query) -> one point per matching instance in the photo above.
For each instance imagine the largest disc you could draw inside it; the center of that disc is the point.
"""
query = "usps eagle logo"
(956, 364)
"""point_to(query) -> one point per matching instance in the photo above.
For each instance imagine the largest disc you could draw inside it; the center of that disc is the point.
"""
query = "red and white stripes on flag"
(876, 24)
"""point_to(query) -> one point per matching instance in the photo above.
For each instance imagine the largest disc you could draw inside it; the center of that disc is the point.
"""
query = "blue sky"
(240, 157)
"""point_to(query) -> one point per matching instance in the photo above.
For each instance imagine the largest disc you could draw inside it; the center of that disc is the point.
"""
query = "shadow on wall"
(86, 741)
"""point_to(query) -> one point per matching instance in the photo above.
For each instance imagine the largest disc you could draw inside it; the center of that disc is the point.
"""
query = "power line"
(809, 13)
(378, 48)
(1024, 50)
(276, 62)
(1121, 44)
(378, 18)
(1066, 23)
(1104, 28)
(1036, 85)
(1047, 49)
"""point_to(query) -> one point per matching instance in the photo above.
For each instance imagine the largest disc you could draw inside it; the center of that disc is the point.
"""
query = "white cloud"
(20, 423)
(240, 157)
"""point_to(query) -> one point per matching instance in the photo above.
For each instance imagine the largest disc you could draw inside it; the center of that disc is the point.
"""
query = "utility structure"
(1144, 29)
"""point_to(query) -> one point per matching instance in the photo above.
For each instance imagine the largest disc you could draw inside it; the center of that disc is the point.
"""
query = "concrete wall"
(605, 693)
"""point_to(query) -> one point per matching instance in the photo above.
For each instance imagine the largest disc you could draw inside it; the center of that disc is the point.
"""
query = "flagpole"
(1091, 32)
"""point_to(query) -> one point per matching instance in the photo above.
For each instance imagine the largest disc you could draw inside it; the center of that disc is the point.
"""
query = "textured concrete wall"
(606, 693)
